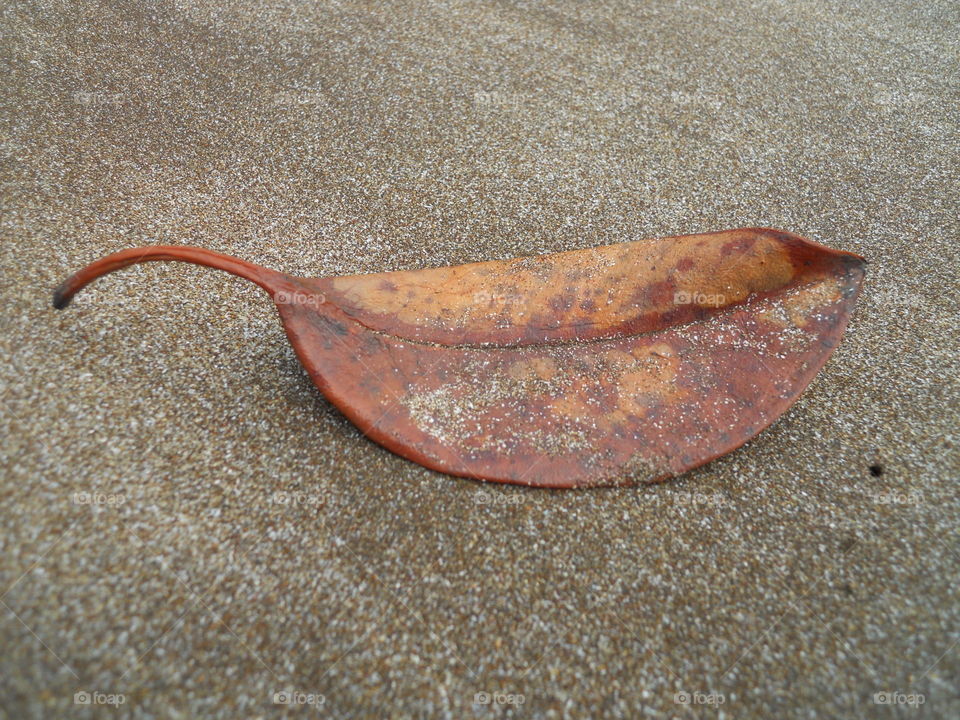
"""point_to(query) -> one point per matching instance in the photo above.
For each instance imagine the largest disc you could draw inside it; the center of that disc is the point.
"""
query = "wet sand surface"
(189, 524)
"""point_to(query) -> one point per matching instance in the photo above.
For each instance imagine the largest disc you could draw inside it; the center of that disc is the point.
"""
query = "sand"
(190, 528)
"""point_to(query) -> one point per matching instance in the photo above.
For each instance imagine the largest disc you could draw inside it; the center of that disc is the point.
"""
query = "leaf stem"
(270, 280)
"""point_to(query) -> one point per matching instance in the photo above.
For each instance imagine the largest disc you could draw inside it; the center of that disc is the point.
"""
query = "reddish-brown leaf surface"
(612, 365)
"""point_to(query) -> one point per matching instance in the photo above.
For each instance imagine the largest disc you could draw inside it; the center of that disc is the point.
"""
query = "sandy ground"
(189, 527)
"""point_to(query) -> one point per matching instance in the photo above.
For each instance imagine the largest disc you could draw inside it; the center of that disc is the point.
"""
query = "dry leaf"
(613, 365)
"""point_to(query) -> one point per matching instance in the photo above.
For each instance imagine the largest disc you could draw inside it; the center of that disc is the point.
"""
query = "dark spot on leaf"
(561, 303)
(740, 245)
(661, 293)
(325, 323)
